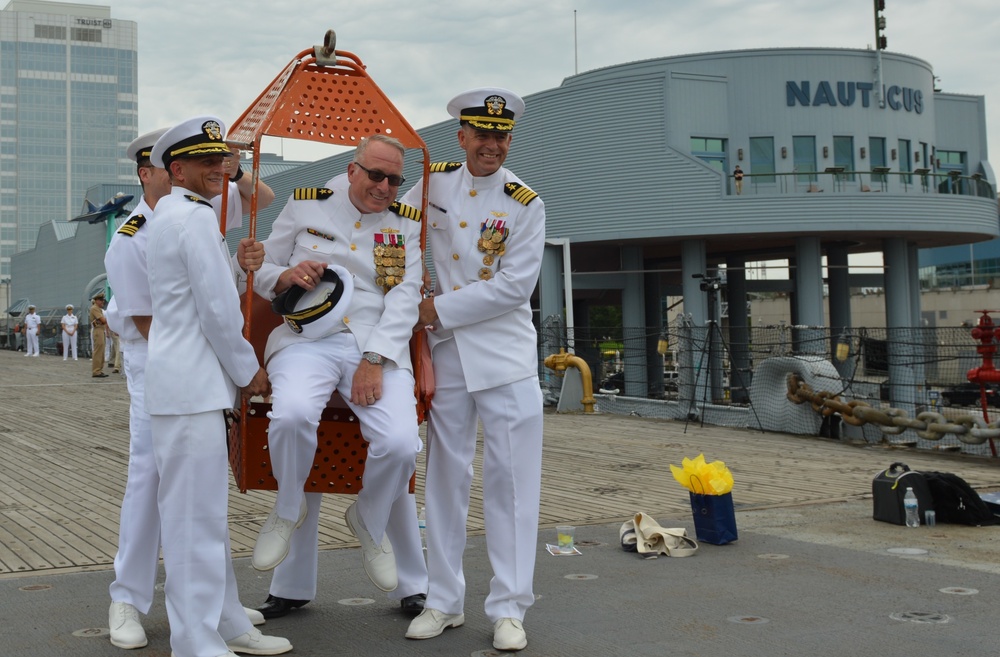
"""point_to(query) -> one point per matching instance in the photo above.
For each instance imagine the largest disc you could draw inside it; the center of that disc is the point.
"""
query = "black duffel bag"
(888, 489)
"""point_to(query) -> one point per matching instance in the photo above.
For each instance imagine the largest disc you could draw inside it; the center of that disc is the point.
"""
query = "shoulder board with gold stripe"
(132, 226)
(519, 193)
(195, 199)
(444, 167)
(312, 193)
(407, 211)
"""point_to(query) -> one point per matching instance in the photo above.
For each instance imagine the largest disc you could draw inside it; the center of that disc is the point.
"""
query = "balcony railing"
(835, 180)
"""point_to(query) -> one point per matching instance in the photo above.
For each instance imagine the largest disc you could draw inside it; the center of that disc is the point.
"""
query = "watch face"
(373, 358)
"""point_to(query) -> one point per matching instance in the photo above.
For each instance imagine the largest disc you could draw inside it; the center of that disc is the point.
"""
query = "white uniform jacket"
(69, 322)
(197, 354)
(125, 263)
(483, 300)
(32, 321)
(322, 224)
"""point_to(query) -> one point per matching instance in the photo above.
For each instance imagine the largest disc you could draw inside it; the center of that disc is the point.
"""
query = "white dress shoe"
(431, 622)
(256, 618)
(255, 643)
(508, 634)
(271, 547)
(379, 561)
(126, 630)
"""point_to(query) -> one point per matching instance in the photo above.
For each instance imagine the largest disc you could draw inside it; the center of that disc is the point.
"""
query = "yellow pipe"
(559, 362)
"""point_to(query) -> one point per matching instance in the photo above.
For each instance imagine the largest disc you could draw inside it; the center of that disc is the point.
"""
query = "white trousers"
(32, 348)
(139, 526)
(512, 470)
(69, 343)
(203, 604)
(295, 577)
(303, 376)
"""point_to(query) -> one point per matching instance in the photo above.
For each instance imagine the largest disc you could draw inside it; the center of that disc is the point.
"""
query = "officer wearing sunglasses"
(356, 223)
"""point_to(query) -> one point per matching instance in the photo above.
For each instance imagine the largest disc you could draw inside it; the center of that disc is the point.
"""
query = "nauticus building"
(843, 151)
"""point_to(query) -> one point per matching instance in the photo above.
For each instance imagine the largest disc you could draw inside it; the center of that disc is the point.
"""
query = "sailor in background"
(70, 323)
(32, 327)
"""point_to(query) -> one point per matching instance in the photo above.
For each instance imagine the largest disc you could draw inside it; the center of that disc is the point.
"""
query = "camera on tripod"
(709, 283)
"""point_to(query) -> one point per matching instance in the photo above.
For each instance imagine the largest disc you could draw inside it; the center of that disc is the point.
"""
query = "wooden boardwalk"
(64, 445)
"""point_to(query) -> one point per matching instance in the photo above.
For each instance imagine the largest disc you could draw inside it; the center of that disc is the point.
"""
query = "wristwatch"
(373, 358)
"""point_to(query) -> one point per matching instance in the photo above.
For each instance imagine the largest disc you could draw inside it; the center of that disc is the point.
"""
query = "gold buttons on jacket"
(434, 224)
(354, 247)
(462, 224)
(357, 224)
(454, 256)
(457, 287)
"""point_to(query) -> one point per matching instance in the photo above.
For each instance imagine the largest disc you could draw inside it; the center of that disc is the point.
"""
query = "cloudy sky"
(216, 57)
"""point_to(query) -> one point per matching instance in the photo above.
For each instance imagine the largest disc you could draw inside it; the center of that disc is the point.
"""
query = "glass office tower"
(68, 109)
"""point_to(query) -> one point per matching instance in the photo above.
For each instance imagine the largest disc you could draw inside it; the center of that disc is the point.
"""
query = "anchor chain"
(929, 425)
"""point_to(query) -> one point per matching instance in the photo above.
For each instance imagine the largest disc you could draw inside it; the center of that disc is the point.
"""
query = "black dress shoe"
(275, 607)
(413, 604)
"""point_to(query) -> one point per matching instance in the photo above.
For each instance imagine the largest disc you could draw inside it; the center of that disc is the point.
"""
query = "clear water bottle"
(422, 524)
(910, 506)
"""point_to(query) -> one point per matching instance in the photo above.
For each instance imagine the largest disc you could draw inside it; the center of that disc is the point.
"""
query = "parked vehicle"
(968, 394)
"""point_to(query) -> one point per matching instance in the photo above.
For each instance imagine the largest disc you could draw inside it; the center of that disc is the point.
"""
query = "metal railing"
(930, 363)
(835, 180)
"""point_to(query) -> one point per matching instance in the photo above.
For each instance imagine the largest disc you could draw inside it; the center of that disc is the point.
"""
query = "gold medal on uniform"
(390, 261)
(488, 259)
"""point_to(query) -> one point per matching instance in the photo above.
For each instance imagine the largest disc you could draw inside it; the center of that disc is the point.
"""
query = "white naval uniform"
(32, 325)
(71, 322)
(484, 349)
(139, 524)
(304, 373)
(198, 316)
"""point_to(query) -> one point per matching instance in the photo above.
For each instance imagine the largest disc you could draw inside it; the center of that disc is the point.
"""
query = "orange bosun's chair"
(323, 95)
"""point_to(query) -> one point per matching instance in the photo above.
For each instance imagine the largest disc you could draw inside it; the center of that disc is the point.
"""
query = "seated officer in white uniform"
(486, 234)
(353, 222)
(129, 315)
(197, 362)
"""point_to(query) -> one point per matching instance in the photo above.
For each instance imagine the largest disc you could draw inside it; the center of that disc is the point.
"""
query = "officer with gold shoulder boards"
(353, 222)
(197, 362)
(486, 233)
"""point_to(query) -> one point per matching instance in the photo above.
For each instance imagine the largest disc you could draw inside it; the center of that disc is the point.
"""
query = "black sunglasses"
(378, 176)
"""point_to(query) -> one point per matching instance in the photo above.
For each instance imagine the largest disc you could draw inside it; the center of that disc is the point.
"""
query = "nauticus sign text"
(896, 97)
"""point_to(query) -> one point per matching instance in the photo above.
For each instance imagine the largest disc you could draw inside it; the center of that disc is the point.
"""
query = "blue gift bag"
(714, 518)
